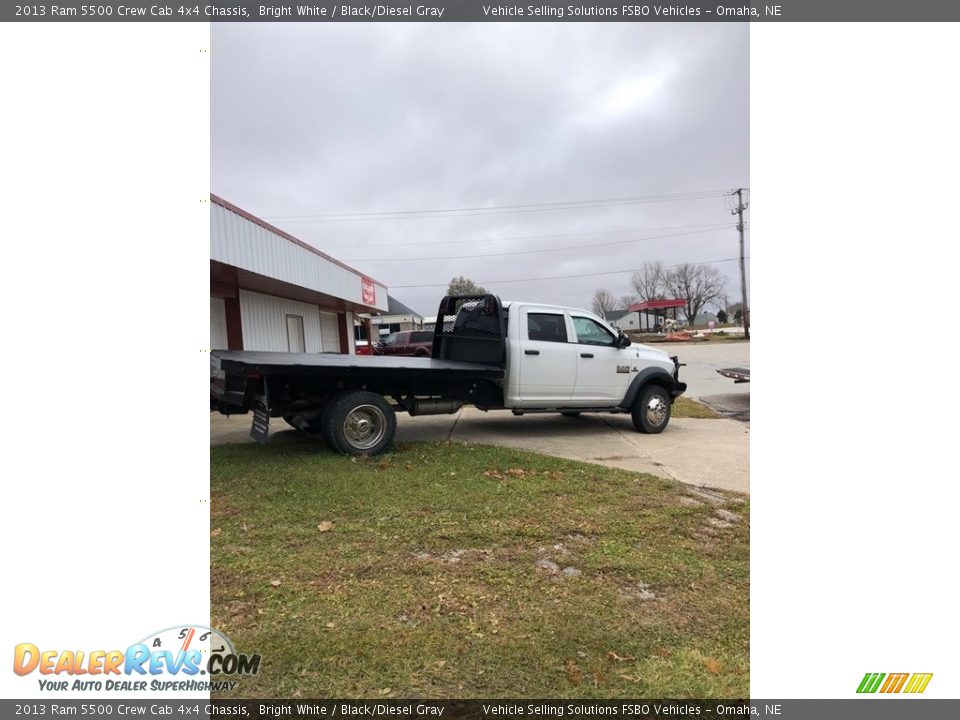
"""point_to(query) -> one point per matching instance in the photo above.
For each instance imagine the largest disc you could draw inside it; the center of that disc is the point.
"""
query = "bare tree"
(464, 286)
(649, 281)
(627, 300)
(696, 285)
(603, 302)
(735, 311)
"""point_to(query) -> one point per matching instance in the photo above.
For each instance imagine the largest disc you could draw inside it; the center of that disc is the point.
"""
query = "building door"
(329, 333)
(218, 324)
(296, 341)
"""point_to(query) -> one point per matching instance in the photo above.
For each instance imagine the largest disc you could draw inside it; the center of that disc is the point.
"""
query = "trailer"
(738, 375)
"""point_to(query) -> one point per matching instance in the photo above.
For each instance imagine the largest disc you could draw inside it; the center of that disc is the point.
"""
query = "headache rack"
(471, 328)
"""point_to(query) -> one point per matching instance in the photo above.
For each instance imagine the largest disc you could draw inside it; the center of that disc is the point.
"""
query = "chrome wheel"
(364, 427)
(656, 411)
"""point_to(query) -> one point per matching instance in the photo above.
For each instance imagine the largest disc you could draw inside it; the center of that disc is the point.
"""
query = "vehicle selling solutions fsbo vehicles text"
(633, 11)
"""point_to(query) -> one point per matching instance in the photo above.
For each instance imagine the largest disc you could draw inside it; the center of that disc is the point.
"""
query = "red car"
(409, 342)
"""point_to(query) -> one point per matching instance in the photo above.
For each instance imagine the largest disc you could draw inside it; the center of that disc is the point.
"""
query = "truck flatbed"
(336, 365)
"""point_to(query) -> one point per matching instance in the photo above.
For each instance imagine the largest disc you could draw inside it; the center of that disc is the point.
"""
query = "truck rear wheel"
(651, 410)
(361, 423)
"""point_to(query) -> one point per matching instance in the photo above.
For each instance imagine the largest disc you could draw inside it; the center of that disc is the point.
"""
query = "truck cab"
(565, 357)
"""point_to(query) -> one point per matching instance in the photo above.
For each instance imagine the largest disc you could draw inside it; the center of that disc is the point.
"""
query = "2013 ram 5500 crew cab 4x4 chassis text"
(523, 357)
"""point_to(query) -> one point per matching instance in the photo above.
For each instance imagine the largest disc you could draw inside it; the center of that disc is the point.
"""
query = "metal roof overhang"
(656, 305)
(225, 280)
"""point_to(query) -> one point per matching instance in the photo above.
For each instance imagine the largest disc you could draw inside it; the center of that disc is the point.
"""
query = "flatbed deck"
(336, 365)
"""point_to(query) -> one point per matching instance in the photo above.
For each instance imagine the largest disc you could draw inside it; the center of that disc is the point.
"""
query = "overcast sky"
(316, 119)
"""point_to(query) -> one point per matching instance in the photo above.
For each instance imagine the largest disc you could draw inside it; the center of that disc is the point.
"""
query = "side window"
(590, 332)
(546, 327)
(422, 337)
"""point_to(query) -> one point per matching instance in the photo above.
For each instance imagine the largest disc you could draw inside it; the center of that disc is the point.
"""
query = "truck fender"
(655, 375)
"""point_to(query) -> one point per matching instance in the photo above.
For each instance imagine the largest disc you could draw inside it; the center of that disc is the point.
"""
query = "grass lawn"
(415, 574)
(684, 407)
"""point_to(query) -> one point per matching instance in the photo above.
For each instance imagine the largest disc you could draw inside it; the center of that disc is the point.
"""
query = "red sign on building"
(369, 292)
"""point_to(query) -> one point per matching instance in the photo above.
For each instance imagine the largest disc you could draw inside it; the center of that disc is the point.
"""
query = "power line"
(564, 277)
(493, 209)
(529, 237)
(543, 250)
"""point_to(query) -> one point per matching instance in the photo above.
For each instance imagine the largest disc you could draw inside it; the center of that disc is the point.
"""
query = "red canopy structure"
(656, 306)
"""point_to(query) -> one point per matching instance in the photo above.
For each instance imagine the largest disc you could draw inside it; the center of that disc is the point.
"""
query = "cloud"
(314, 119)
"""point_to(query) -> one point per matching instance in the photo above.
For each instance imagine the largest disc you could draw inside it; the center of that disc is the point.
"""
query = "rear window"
(546, 327)
(422, 337)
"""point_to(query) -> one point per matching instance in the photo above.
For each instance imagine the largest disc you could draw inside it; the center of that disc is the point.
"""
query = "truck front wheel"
(651, 410)
(361, 423)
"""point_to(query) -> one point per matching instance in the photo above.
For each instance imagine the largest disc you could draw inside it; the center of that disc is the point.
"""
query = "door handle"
(531, 352)
(586, 355)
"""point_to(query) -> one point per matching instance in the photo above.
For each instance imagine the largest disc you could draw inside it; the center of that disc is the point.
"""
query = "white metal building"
(626, 320)
(270, 291)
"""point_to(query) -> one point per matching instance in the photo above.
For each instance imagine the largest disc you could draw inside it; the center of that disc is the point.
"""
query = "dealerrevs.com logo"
(894, 683)
(184, 658)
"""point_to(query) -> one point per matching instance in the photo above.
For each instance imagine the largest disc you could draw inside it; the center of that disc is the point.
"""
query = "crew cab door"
(603, 370)
(548, 360)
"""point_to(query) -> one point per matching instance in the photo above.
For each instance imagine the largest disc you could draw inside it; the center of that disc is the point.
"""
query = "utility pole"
(738, 210)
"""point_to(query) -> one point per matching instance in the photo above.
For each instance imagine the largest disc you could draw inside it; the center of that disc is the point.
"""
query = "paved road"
(703, 360)
(704, 383)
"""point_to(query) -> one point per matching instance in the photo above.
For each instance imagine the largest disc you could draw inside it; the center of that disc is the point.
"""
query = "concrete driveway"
(713, 453)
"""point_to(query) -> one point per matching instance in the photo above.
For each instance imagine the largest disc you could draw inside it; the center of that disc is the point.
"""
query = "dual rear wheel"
(355, 422)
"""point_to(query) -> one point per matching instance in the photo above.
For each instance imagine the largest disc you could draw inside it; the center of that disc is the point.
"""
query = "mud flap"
(260, 428)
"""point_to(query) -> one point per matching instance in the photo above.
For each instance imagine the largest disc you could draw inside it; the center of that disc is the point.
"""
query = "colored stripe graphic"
(894, 682)
(870, 682)
(918, 683)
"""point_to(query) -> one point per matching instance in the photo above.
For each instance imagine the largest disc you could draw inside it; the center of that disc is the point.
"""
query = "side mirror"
(623, 341)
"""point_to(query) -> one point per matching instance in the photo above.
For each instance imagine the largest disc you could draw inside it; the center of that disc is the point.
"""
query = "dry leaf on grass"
(215, 532)
(325, 526)
(275, 583)
(613, 657)
(573, 672)
(714, 666)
